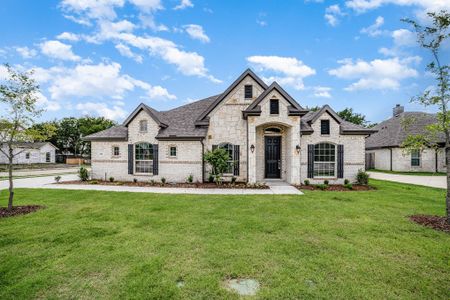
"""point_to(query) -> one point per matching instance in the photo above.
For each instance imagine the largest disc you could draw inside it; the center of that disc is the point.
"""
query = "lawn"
(88, 244)
(409, 173)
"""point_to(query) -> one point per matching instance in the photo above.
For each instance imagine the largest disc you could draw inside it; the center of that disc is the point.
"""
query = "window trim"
(251, 91)
(170, 151)
(329, 127)
(135, 160)
(141, 122)
(325, 162)
(418, 157)
(113, 151)
(230, 171)
(278, 107)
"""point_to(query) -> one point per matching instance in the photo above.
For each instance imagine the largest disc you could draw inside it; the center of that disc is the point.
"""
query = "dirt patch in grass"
(435, 222)
(198, 185)
(335, 188)
(18, 210)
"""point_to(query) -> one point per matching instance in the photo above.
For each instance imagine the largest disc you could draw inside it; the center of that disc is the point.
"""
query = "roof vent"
(397, 110)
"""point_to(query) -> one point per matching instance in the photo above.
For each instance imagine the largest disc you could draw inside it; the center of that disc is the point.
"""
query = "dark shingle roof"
(392, 132)
(114, 133)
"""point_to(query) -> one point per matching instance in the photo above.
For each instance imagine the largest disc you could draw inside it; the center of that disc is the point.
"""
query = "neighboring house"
(265, 131)
(384, 151)
(30, 153)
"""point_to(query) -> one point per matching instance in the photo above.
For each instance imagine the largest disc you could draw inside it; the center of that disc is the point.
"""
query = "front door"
(273, 156)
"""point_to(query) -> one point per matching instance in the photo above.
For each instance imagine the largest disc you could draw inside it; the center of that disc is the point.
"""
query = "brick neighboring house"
(31, 153)
(266, 132)
(384, 151)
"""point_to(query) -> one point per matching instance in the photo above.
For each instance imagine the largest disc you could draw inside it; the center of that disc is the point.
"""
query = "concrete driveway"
(432, 181)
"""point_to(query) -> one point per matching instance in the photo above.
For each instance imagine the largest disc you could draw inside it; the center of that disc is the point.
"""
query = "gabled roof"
(152, 112)
(119, 133)
(393, 131)
(33, 145)
(248, 72)
(294, 108)
(326, 108)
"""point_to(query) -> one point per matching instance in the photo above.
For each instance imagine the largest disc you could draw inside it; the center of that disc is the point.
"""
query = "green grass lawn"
(343, 245)
(409, 173)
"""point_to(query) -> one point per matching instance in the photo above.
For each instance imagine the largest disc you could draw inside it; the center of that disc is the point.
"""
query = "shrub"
(346, 181)
(326, 182)
(233, 180)
(210, 178)
(218, 179)
(218, 159)
(190, 178)
(163, 180)
(93, 182)
(57, 178)
(83, 173)
(348, 186)
(362, 177)
(111, 179)
(152, 181)
(134, 180)
(306, 182)
(322, 186)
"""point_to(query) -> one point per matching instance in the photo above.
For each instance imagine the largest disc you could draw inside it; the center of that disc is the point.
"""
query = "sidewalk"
(431, 181)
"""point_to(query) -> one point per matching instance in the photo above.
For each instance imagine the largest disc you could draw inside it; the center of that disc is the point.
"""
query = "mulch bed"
(435, 222)
(206, 185)
(18, 210)
(336, 188)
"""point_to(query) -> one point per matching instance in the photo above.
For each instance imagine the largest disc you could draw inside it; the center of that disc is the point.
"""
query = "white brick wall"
(36, 155)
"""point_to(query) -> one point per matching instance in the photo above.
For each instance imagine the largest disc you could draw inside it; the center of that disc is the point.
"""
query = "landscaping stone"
(244, 287)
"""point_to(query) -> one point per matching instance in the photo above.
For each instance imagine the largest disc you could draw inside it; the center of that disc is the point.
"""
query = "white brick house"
(267, 133)
(30, 153)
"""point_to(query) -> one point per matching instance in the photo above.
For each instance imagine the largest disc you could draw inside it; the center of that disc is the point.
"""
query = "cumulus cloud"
(116, 112)
(288, 70)
(322, 92)
(126, 51)
(402, 38)
(94, 9)
(332, 14)
(148, 5)
(378, 74)
(68, 36)
(361, 6)
(26, 52)
(374, 29)
(43, 102)
(196, 32)
(184, 4)
(58, 50)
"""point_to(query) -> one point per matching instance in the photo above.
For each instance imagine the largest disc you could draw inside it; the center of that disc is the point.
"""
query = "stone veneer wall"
(354, 150)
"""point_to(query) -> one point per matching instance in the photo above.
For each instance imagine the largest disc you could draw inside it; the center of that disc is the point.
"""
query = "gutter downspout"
(203, 161)
(390, 149)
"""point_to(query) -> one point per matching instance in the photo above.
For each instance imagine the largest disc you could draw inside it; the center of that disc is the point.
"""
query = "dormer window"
(248, 91)
(325, 127)
(143, 125)
(274, 107)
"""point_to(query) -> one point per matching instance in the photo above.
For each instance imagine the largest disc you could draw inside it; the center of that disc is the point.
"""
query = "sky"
(103, 58)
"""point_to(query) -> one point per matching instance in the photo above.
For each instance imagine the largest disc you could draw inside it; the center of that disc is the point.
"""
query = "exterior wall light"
(252, 148)
(297, 148)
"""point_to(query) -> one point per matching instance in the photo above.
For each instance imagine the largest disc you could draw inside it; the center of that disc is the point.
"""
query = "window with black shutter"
(248, 91)
(274, 107)
(324, 126)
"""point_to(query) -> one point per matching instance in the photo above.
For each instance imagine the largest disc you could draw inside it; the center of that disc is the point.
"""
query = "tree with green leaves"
(431, 38)
(348, 115)
(218, 159)
(18, 97)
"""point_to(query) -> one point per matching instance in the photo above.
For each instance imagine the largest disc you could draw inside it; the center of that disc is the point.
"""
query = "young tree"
(18, 96)
(218, 159)
(431, 38)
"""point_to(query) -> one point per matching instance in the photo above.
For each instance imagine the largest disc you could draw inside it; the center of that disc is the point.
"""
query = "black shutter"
(214, 147)
(130, 158)
(340, 161)
(155, 159)
(310, 161)
(236, 160)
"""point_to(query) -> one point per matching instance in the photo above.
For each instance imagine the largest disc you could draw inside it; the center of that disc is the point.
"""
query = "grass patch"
(92, 244)
(409, 173)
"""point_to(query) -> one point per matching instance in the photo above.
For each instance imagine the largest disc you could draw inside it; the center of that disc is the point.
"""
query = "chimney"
(397, 110)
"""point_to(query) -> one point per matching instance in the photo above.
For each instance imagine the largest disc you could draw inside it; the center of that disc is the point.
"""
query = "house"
(384, 151)
(266, 132)
(30, 153)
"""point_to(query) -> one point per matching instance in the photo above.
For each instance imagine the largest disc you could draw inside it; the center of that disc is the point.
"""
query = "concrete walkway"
(46, 182)
(431, 181)
(39, 172)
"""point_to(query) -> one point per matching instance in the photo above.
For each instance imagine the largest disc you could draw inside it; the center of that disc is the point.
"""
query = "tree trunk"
(11, 185)
(447, 198)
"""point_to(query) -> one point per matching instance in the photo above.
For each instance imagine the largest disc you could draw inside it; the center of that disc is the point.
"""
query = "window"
(274, 107)
(415, 158)
(173, 151)
(248, 91)
(116, 151)
(27, 155)
(325, 127)
(324, 160)
(229, 148)
(143, 156)
(47, 157)
(143, 126)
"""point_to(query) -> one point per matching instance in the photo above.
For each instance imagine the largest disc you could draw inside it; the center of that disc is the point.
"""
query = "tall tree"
(18, 96)
(350, 116)
(431, 38)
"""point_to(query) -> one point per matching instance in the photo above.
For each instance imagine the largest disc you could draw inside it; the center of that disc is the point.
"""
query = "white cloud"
(196, 32)
(184, 4)
(148, 21)
(361, 6)
(79, 20)
(322, 92)
(102, 109)
(158, 92)
(332, 14)
(126, 51)
(68, 36)
(147, 5)
(46, 104)
(103, 9)
(26, 52)
(291, 71)
(374, 29)
(378, 74)
(58, 50)
(404, 38)
(261, 23)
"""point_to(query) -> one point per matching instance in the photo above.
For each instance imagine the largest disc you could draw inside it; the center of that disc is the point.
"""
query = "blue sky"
(106, 57)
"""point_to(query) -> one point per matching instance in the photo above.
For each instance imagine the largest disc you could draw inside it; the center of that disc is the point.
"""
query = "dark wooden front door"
(273, 156)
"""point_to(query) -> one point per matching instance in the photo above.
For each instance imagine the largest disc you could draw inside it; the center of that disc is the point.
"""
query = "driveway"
(432, 181)
(47, 183)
